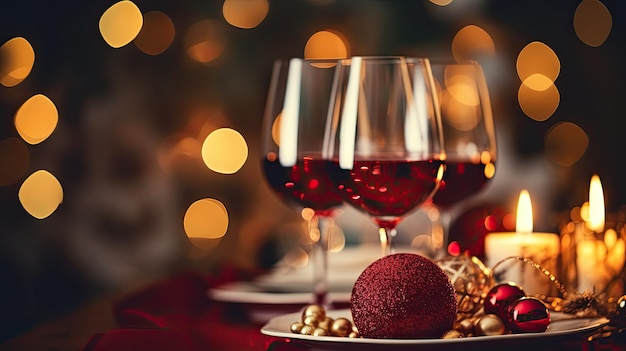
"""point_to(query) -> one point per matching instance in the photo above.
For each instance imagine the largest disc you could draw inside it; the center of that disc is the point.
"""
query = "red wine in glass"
(305, 184)
(387, 190)
(461, 180)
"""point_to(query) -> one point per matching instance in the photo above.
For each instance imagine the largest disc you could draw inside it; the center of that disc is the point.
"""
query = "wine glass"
(383, 142)
(469, 140)
(293, 130)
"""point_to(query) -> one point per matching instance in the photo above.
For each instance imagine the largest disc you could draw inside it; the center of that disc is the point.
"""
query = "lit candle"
(541, 248)
(591, 251)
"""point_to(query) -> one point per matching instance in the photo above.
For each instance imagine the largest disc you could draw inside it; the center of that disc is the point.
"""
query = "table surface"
(215, 326)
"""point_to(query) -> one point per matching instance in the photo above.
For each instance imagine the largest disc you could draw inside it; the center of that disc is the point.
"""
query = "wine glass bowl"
(469, 136)
(383, 141)
(293, 134)
(303, 185)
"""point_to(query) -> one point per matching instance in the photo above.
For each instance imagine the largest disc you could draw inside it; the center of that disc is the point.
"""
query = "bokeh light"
(459, 97)
(41, 194)
(566, 143)
(457, 114)
(296, 257)
(157, 33)
(538, 67)
(276, 130)
(592, 22)
(460, 82)
(120, 23)
(337, 239)
(36, 119)
(326, 44)
(224, 151)
(17, 58)
(204, 41)
(14, 160)
(537, 58)
(538, 82)
(245, 13)
(538, 105)
(441, 2)
(472, 43)
(205, 219)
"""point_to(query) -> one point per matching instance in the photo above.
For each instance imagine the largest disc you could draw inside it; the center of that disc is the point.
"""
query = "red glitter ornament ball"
(500, 297)
(403, 296)
(528, 315)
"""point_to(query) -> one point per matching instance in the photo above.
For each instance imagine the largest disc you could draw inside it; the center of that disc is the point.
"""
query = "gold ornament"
(452, 334)
(326, 323)
(314, 310)
(296, 327)
(307, 330)
(341, 327)
(320, 332)
(471, 280)
(489, 324)
(313, 321)
(465, 326)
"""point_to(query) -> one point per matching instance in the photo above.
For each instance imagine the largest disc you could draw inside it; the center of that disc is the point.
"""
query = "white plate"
(559, 328)
(252, 293)
(262, 305)
(344, 268)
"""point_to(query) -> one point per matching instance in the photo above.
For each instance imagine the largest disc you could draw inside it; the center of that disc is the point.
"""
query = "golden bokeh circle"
(41, 194)
(245, 14)
(224, 151)
(538, 105)
(538, 58)
(17, 58)
(157, 33)
(326, 44)
(472, 42)
(120, 23)
(566, 143)
(592, 22)
(36, 119)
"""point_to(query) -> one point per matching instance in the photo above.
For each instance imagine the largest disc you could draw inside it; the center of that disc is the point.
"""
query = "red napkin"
(176, 314)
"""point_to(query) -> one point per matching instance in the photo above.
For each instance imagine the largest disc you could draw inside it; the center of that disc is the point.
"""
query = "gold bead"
(296, 327)
(314, 310)
(341, 327)
(320, 332)
(354, 334)
(307, 330)
(311, 320)
(452, 334)
(465, 326)
(326, 323)
(489, 324)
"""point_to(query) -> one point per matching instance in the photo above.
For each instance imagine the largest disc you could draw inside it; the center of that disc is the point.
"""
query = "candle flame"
(524, 220)
(596, 205)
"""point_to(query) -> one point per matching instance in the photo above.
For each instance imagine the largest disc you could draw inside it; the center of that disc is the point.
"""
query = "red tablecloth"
(176, 314)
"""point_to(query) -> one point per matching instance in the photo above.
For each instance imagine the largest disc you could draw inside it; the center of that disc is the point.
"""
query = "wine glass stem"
(386, 240)
(320, 260)
(446, 220)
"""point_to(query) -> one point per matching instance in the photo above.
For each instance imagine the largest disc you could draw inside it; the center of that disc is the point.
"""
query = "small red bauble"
(528, 315)
(500, 297)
